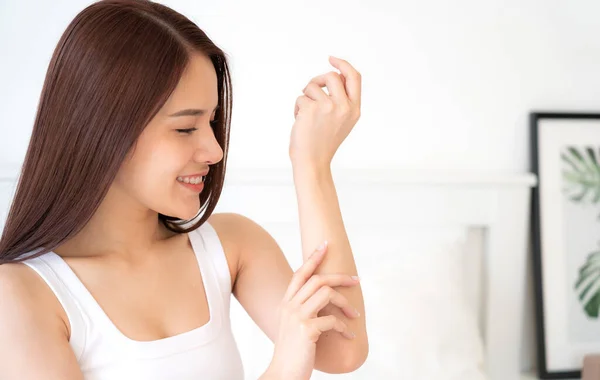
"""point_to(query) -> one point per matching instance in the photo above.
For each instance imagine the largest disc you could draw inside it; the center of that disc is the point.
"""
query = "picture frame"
(565, 226)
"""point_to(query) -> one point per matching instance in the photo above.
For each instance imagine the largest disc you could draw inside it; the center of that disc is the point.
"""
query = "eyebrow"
(191, 112)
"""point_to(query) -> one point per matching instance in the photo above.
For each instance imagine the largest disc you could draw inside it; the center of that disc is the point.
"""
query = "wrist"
(271, 374)
(303, 160)
(310, 171)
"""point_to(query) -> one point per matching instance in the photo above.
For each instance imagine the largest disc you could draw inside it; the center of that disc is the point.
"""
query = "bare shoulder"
(262, 271)
(25, 292)
(237, 232)
(233, 226)
(31, 321)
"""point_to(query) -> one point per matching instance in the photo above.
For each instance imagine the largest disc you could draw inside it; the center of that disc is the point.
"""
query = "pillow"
(421, 323)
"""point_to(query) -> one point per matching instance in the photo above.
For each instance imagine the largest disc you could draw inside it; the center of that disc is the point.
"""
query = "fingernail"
(356, 278)
(322, 246)
(357, 313)
(349, 334)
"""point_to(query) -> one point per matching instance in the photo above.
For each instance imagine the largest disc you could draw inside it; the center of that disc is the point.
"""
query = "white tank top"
(103, 352)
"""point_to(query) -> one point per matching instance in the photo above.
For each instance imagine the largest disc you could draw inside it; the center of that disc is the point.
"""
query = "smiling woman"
(91, 82)
(107, 149)
(113, 263)
(165, 147)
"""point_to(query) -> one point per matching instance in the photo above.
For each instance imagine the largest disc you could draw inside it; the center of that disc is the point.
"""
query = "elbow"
(349, 362)
(357, 360)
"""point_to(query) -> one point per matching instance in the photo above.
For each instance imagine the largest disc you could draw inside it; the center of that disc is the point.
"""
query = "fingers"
(305, 272)
(314, 91)
(329, 322)
(334, 83)
(353, 78)
(317, 281)
(322, 298)
(301, 102)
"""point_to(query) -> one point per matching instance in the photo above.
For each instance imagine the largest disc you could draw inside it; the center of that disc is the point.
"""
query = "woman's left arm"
(322, 123)
(321, 219)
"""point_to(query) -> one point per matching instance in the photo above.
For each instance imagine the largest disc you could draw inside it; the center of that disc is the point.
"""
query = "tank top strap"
(48, 267)
(210, 252)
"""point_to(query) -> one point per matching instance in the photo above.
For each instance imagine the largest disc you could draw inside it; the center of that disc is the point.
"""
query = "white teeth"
(192, 180)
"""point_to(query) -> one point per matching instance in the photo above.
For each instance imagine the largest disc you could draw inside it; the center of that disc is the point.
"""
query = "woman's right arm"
(34, 340)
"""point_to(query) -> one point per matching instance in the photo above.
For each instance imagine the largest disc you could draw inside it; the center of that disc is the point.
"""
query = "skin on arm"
(321, 219)
(34, 334)
(263, 276)
(322, 124)
(263, 272)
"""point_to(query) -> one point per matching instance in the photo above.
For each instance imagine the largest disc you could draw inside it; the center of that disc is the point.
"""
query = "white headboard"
(384, 199)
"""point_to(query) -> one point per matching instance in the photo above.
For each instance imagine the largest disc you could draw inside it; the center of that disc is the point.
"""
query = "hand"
(324, 121)
(299, 325)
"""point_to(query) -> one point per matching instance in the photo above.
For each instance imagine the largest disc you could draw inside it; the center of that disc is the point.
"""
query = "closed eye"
(186, 131)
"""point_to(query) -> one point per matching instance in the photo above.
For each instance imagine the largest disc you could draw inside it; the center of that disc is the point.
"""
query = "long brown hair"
(114, 67)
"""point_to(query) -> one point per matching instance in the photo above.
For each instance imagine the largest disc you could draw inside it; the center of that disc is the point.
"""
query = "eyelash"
(189, 131)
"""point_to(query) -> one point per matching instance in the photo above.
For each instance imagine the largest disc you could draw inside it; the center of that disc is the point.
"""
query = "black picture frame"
(536, 238)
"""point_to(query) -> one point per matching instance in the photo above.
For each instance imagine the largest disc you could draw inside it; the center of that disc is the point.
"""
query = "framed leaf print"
(566, 240)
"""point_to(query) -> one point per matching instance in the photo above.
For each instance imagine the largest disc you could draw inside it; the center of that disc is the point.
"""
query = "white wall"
(446, 85)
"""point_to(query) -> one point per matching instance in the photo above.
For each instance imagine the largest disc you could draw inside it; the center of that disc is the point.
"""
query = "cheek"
(155, 168)
(164, 164)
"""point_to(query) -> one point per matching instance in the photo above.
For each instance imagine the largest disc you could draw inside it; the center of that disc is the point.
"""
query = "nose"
(208, 150)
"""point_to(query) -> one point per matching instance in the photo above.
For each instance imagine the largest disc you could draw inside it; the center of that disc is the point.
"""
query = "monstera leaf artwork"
(588, 285)
(565, 221)
(581, 175)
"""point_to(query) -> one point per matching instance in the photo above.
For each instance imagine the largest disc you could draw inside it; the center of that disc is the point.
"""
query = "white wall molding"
(388, 176)
(362, 176)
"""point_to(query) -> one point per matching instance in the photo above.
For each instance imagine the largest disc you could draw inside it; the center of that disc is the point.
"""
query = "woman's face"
(176, 143)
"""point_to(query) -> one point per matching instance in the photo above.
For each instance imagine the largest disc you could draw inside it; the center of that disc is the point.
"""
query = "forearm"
(321, 219)
(267, 375)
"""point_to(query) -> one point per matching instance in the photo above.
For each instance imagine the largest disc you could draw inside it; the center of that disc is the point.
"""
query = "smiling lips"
(196, 179)
(193, 178)
(193, 182)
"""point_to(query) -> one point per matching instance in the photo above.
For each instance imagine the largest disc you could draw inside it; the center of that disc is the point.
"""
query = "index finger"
(334, 83)
(352, 76)
(305, 272)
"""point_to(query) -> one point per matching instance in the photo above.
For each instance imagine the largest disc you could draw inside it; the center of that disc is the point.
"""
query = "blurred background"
(447, 86)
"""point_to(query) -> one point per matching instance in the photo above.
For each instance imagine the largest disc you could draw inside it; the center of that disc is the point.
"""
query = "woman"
(101, 278)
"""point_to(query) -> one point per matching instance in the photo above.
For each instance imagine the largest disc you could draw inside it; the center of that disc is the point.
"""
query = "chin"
(186, 213)
(189, 213)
